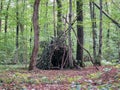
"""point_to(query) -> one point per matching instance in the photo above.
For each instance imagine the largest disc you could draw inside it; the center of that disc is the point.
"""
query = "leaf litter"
(107, 78)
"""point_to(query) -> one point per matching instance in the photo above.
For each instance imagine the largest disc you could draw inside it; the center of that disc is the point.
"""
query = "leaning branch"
(81, 44)
(85, 50)
(114, 21)
(68, 27)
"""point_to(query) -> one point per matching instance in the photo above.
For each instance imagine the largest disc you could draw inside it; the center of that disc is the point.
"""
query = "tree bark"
(69, 34)
(17, 33)
(80, 33)
(46, 23)
(6, 16)
(93, 20)
(108, 31)
(35, 18)
(59, 17)
(54, 20)
(1, 6)
(100, 38)
(114, 21)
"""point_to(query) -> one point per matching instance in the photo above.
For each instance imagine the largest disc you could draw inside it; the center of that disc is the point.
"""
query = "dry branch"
(114, 21)
(81, 45)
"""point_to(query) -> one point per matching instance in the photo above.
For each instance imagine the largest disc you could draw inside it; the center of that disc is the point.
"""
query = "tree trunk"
(23, 44)
(100, 38)
(6, 16)
(1, 6)
(17, 33)
(17, 27)
(93, 20)
(108, 31)
(22, 16)
(119, 50)
(35, 18)
(69, 34)
(46, 23)
(114, 21)
(59, 17)
(54, 20)
(80, 33)
(31, 30)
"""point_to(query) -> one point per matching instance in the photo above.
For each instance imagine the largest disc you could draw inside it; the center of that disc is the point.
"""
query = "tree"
(17, 32)
(100, 37)
(59, 17)
(94, 33)
(113, 20)
(108, 30)
(80, 33)
(6, 23)
(6, 16)
(54, 20)
(1, 6)
(35, 18)
(69, 34)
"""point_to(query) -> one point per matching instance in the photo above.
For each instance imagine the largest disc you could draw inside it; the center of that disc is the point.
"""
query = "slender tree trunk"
(119, 49)
(119, 53)
(59, 17)
(54, 20)
(100, 37)
(6, 16)
(17, 24)
(118, 43)
(31, 29)
(80, 33)
(92, 13)
(23, 44)
(108, 31)
(6, 24)
(32, 65)
(69, 34)
(1, 6)
(17, 33)
(22, 16)
(46, 23)
(114, 21)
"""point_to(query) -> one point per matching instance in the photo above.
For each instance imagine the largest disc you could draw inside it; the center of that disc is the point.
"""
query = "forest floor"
(106, 78)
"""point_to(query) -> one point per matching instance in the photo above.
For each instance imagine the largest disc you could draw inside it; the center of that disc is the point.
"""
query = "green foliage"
(104, 62)
(25, 9)
(94, 75)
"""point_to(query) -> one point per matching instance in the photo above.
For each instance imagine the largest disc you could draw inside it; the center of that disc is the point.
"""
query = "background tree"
(100, 37)
(80, 33)
(69, 34)
(1, 6)
(54, 19)
(17, 32)
(94, 33)
(59, 17)
(6, 16)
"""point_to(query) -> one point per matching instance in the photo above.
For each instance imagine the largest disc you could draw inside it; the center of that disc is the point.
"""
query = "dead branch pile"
(54, 56)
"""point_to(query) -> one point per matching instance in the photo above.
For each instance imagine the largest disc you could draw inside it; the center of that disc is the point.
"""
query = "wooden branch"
(68, 27)
(80, 43)
(85, 50)
(63, 57)
(114, 21)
